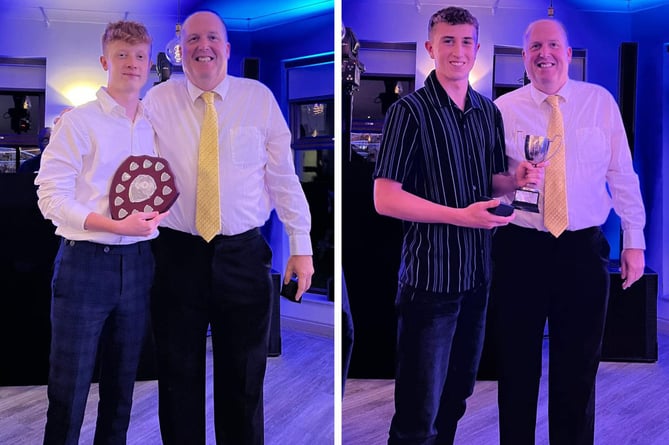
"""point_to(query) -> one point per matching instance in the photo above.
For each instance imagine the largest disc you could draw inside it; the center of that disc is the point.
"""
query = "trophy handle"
(557, 137)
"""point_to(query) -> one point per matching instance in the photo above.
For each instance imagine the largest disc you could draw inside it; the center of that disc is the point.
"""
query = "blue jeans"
(439, 343)
(100, 300)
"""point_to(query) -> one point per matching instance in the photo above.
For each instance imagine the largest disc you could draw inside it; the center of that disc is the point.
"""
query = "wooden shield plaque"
(142, 184)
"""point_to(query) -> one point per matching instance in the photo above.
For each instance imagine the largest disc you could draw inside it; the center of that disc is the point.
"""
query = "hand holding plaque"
(142, 184)
(536, 151)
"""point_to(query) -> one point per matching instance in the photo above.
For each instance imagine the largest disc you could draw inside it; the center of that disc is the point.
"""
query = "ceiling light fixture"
(173, 50)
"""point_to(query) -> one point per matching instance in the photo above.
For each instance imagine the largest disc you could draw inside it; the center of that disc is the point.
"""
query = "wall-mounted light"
(47, 23)
(80, 93)
(173, 50)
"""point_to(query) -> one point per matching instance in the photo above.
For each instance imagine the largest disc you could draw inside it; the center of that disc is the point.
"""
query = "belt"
(111, 249)
(588, 231)
(166, 232)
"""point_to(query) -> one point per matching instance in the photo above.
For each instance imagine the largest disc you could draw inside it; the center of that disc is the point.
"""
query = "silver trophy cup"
(536, 151)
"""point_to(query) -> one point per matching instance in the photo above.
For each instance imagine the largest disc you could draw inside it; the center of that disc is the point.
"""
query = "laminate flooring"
(632, 406)
(299, 400)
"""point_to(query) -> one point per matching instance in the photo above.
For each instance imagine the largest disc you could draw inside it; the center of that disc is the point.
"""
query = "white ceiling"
(249, 13)
(581, 5)
(103, 11)
(94, 11)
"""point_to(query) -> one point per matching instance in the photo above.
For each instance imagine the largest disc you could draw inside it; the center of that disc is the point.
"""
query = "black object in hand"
(289, 291)
(501, 210)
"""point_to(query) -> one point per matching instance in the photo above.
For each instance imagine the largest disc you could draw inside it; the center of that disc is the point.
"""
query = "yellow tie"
(208, 211)
(556, 217)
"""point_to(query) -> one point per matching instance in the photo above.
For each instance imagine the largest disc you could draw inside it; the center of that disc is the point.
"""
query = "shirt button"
(71, 243)
(106, 249)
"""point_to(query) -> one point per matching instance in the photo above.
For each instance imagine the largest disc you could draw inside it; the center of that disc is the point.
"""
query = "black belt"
(251, 233)
(588, 231)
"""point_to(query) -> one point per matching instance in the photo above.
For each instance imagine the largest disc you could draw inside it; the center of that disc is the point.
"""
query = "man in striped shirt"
(442, 151)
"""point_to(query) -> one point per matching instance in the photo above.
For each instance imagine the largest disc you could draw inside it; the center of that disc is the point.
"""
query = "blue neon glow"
(246, 15)
(613, 5)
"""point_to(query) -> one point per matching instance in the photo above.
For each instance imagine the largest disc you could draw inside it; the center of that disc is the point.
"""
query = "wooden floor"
(299, 400)
(632, 407)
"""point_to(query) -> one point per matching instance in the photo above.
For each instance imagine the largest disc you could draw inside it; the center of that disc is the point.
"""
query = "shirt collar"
(443, 99)
(221, 89)
(538, 96)
(109, 104)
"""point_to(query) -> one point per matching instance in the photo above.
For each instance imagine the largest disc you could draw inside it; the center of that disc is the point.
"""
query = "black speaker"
(251, 68)
(630, 333)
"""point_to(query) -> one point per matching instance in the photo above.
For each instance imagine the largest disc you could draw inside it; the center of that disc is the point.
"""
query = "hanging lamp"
(173, 50)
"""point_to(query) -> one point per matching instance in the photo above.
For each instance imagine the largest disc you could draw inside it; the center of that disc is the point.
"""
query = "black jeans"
(439, 343)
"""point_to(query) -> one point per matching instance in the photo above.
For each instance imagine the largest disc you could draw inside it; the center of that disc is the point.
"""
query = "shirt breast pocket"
(593, 147)
(247, 147)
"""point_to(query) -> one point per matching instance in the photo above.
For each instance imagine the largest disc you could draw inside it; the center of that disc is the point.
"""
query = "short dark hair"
(453, 16)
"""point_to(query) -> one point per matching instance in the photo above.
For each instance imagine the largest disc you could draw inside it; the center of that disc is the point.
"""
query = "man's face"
(128, 65)
(205, 50)
(547, 56)
(454, 49)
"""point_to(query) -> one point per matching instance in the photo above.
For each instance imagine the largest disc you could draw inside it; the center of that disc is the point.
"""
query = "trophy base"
(526, 200)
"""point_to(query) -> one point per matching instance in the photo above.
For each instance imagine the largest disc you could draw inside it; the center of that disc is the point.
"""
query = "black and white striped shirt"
(448, 156)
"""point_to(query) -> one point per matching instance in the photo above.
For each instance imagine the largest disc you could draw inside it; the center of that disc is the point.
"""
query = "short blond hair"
(126, 31)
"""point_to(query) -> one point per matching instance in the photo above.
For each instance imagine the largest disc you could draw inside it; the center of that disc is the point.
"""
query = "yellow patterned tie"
(556, 217)
(208, 211)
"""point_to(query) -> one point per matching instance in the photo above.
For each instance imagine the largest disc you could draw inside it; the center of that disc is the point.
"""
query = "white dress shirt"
(257, 171)
(600, 174)
(87, 146)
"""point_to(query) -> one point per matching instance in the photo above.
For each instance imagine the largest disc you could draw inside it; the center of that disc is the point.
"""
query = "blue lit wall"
(311, 35)
(649, 28)
(260, 14)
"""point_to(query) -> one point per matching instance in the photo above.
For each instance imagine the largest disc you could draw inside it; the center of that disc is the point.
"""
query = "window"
(312, 123)
(310, 93)
(375, 95)
(21, 117)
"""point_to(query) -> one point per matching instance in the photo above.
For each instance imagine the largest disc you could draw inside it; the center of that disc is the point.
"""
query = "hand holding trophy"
(536, 151)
